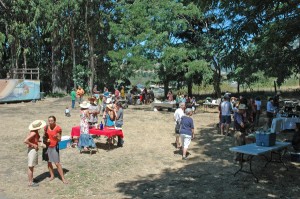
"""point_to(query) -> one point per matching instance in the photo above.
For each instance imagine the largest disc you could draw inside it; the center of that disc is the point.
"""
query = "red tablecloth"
(106, 132)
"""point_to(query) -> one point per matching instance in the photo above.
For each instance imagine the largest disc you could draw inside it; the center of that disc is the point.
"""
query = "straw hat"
(37, 124)
(84, 104)
(242, 107)
(108, 100)
(110, 106)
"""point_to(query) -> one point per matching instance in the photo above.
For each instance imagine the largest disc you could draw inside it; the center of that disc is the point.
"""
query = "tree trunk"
(238, 88)
(166, 87)
(92, 66)
(190, 86)
(216, 83)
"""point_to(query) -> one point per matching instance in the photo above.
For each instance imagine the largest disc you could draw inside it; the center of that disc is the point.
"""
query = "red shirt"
(51, 133)
(34, 139)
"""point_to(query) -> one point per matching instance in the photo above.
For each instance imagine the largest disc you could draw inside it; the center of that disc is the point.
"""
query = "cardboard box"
(65, 142)
(265, 139)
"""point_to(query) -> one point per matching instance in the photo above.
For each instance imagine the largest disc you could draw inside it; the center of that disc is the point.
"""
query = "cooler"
(65, 142)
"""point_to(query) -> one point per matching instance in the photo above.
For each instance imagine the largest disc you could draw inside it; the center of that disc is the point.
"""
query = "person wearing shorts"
(53, 132)
(32, 140)
(186, 131)
(225, 115)
(177, 117)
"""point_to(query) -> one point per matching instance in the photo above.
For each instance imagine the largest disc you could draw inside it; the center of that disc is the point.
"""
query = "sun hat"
(108, 100)
(37, 124)
(110, 106)
(84, 104)
(242, 107)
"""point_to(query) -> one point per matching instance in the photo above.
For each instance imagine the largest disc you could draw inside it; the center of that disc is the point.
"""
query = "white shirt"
(178, 114)
(258, 104)
(225, 108)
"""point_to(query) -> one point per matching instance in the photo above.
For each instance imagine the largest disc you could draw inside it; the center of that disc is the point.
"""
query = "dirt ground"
(148, 166)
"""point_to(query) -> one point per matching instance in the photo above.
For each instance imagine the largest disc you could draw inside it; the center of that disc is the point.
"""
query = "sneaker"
(184, 158)
(33, 185)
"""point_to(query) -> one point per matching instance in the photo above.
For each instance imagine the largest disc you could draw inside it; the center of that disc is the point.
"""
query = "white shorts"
(32, 157)
(185, 140)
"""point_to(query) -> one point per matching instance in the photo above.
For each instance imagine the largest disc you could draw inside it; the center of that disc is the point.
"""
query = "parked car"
(159, 93)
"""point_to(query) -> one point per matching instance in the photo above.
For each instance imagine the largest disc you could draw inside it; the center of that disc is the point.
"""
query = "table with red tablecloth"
(107, 131)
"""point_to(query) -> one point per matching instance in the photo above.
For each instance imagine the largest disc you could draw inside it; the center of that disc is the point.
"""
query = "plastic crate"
(265, 139)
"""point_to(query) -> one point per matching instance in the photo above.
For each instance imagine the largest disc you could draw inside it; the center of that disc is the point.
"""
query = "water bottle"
(101, 125)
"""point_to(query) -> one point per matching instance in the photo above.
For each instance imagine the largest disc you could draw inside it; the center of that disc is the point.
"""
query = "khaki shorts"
(32, 157)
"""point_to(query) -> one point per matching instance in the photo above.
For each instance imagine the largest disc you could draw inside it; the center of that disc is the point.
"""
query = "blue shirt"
(186, 125)
(270, 107)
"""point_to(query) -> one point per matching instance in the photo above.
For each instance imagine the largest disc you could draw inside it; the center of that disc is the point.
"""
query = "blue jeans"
(73, 103)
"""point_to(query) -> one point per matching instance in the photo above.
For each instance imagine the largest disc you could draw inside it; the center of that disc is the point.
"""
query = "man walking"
(177, 117)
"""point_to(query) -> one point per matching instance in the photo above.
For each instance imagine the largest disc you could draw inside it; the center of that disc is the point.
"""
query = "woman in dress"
(85, 139)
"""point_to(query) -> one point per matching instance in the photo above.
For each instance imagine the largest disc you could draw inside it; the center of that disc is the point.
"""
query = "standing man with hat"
(225, 115)
(32, 140)
(93, 111)
(240, 126)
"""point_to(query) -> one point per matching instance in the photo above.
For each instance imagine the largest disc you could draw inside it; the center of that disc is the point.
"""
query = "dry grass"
(147, 166)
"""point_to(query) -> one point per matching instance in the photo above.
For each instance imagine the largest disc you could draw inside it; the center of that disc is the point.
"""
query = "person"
(93, 111)
(122, 92)
(109, 116)
(67, 112)
(96, 93)
(186, 131)
(119, 120)
(258, 110)
(151, 95)
(270, 111)
(276, 100)
(170, 96)
(53, 132)
(73, 97)
(177, 117)
(79, 93)
(296, 138)
(225, 115)
(145, 96)
(240, 126)
(32, 140)
(106, 92)
(117, 93)
(85, 139)
(193, 102)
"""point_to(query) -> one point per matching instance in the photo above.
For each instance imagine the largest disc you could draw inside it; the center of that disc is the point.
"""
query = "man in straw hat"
(240, 126)
(32, 140)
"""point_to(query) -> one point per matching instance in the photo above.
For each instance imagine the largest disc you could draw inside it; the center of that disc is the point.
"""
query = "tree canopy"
(190, 42)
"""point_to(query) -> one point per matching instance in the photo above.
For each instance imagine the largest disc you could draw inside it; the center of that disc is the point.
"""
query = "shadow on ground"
(210, 175)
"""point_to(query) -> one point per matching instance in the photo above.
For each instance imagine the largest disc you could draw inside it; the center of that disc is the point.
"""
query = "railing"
(25, 73)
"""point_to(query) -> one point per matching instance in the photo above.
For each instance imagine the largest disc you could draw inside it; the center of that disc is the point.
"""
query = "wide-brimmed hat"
(84, 104)
(108, 100)
(93, 98)
(242, 107)
(37, 124)
(110, 106)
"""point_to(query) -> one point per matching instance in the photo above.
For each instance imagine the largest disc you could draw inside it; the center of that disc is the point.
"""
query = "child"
(67, 112)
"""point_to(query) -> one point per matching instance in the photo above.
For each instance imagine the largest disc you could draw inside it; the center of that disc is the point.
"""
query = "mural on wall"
(19, 90)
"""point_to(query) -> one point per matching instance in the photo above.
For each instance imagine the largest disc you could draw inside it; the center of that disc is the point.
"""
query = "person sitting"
(106, 92)
(109, 116)
(67, 112)
(296, 138)
(170, 96)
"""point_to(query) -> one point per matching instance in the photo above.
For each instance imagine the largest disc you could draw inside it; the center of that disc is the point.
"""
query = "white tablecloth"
(283, 123)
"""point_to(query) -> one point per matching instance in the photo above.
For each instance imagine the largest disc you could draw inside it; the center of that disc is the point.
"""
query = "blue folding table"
(253, 150)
